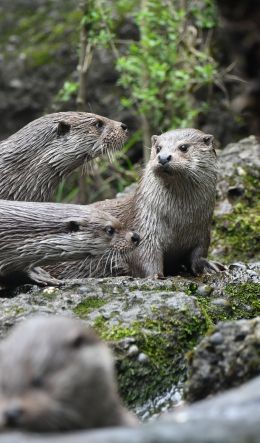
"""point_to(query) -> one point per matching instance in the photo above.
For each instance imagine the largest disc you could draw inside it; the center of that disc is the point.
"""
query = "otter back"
(35, 159)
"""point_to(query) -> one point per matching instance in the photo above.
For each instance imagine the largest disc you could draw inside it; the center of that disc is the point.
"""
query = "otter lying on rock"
(56, 375)
(171, 208)
(35, 159)
(33, 234)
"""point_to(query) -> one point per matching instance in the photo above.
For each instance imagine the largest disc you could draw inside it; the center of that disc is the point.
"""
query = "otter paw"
(40, 277)
(203, 266)
(158, 276)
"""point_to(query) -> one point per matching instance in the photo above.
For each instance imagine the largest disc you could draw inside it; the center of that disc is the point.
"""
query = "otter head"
(110, 235)
(183, 153)
(51, 147)
(96, 234)
(56, 375)
(79, 137)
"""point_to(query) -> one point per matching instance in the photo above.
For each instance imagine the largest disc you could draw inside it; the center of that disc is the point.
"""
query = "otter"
(33, 234)
(171, 209)
(35, 159)
(56, 375)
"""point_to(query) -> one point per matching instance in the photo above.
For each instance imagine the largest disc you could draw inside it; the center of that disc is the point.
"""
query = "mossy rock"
(236, 226)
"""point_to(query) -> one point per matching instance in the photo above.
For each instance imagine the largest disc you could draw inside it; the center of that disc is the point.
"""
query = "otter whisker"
(108, 256)
(111, 263)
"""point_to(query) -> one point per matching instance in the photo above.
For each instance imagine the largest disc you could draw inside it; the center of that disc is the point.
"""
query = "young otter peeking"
(56, 375)
(35, 159)
(171, 208)
(33, 234)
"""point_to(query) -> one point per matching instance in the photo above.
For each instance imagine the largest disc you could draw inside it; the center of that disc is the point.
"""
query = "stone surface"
(236, 225)
(226, 358)
(151, 324)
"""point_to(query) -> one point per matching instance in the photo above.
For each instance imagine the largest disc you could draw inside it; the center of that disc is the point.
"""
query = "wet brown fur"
(33, 234)
(171, 208)
(34, 160)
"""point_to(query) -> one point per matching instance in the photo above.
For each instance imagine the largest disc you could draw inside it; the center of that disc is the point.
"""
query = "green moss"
(15, 310)
(191, 288)
(242, 301)
(87, 305)
(164, 339)
(238, 233)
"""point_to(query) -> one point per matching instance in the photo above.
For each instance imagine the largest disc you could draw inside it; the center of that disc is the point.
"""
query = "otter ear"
(208, 139)
(72, 226)
(63, 128)
(154, 139)
(82, 338)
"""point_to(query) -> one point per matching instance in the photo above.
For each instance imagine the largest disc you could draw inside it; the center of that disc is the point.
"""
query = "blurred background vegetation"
(153, 64)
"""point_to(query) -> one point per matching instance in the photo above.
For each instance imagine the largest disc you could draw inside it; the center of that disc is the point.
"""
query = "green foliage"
(39, 35)
(67, 91)
(163, 70)
(99, 23)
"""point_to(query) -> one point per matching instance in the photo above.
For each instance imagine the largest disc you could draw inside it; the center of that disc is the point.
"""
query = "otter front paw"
(158, 276)
(203, 266)
(40, 277)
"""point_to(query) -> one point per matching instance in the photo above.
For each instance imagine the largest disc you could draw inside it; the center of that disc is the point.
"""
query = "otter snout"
(163, 159)
(135, 238)
(12, 415)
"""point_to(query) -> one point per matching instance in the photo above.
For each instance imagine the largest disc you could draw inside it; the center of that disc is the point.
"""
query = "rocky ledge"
(150, 324)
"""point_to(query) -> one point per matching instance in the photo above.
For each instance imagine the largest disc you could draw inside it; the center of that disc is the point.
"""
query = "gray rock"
(150, 324)
(226, 358)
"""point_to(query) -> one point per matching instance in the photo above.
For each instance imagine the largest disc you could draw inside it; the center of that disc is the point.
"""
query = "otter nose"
(123, 126)
(12, 415)
(164, 158)
(135, 238)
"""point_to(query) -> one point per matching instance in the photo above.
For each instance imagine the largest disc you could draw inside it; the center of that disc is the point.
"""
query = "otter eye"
(183, 148)
(37, 382)
(99, 124)
(158, 149)
(110, 230)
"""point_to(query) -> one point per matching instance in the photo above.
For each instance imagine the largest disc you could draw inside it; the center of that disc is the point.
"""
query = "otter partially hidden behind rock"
(33, 234)
(171, 208)
(56, 375)
(35, 159)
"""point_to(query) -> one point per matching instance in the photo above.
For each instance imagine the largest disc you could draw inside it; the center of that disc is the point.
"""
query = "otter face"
(54, 376)
(111, 235)
(80, 137)
(185, 152)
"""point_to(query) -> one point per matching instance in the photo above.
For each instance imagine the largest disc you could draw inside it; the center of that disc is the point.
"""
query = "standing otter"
(35, 159)
(56, 375)
(34, 234)
(171, 208)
